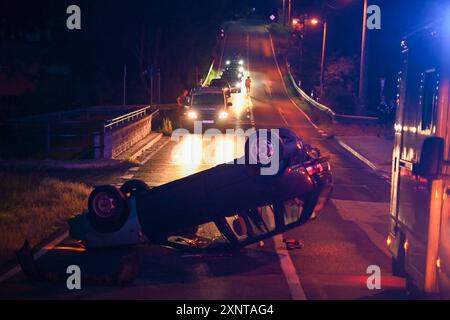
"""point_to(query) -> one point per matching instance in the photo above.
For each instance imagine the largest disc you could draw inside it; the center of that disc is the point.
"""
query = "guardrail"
(334, 116)
(129, 117)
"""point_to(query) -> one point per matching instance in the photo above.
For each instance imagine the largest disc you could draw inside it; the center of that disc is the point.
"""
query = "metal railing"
(130, 117)
(68, 134)
(327, 110)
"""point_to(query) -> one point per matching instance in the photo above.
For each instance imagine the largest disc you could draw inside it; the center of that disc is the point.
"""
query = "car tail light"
(317, 167)
(314, 169)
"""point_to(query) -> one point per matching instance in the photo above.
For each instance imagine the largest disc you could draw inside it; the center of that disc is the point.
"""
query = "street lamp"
(314, 22)
(322, 62)
(363, 66)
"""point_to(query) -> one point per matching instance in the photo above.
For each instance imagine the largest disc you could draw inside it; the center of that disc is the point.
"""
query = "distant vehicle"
(222, 84)
(234, 63)
(234, 79)
(234, 205)
(419, 236)
(210, 106)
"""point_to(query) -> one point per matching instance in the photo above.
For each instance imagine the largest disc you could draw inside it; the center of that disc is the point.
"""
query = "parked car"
(210, 107)
(234, 78)
(232, 203)
(221, 84)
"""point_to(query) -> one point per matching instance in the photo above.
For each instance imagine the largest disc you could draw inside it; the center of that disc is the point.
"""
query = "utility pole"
(152, 73)
(124, 85)
(284, 12)
(159, 86)
(362, 95)
(322, 64)
(289, 12)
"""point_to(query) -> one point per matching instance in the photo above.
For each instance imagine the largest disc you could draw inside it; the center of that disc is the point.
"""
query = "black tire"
(398, 267)
(132, 187)
(398, 263)
(412, 291)
(108, 209)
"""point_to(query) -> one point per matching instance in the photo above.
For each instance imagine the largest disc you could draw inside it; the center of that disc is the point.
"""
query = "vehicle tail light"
(314, 169)
(317, 166)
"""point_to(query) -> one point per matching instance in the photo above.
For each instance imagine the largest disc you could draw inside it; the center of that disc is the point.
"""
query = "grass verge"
(33, 207)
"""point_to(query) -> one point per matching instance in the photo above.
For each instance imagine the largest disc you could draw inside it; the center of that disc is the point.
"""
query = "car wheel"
(255, 154)
(398, 263)
(398, 268)
(108, 209)
(132, 187)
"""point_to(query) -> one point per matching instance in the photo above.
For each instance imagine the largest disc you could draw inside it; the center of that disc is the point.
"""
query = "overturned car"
(230, 205)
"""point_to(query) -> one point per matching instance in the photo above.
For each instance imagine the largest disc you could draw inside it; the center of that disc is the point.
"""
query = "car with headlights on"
(234, 78)
(208, 106)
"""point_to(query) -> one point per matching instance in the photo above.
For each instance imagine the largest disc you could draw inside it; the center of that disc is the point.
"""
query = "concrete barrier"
(124, 138)
(114, 141)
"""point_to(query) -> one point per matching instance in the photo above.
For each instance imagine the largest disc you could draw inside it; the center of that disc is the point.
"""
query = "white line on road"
(290, 273)
(154, 152)
(366, 161)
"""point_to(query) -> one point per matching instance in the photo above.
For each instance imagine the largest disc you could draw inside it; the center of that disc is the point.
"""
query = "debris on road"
(292, 244)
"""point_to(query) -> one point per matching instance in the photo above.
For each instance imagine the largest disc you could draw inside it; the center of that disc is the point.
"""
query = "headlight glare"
(192, 115)
(223, 115)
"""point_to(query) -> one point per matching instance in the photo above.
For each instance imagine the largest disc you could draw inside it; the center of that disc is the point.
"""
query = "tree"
(341, 77)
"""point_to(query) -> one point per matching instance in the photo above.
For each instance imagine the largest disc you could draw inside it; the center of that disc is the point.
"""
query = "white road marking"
(250, 103)
(289, 271)
(151, 155)
(366, 161)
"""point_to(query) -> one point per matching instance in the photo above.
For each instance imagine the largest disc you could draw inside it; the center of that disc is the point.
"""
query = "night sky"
(178, 37)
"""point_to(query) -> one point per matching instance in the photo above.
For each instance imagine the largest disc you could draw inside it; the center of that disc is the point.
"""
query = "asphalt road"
(347, 238)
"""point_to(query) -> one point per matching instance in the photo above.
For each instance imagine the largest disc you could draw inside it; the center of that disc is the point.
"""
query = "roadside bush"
(341, 81)
(340, 99)
(166, 128)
